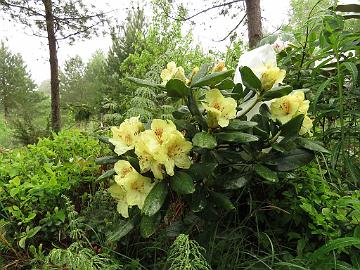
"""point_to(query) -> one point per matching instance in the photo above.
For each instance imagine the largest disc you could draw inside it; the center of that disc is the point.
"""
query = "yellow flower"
(175, 152)
(284, 108)
(219, 67)
(272, 76)
(287, 107)
(124, 136)
(131, 188)
(118, 193)
(219, 109)
(162, 128)
(173, 72)
(262, 61)
(162, 148)
(146, 148)
(306, 126)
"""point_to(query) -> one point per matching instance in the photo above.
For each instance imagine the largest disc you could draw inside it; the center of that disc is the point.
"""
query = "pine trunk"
(54, 67)
(253, 12)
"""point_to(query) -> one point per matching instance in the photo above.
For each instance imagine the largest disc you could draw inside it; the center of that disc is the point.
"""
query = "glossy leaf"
(122, 228)
(155, 199)
(221, 200)
(213, 78)
(177, 88)
(292, 128)
(148, 225)
(312, 145)
(237, 124)
(277, 92)
(182, 183)
(204, 140)
(265, 173)
(106, 174)
(225, 84)
(249, 79)
(238, 137)
(291, 160)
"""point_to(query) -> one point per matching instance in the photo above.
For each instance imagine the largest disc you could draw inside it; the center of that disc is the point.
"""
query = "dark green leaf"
(236, 183)
(144, 82)
(204, 69)
(177, 88)
(202, 170)
(312, 145)
(148, 225)
(292, 128)
(204, 140)
(122, 228)
(213, 78)
(225, 84)
(266, 173)
(107, 160)
(277, 92)
(291, 160)
(221, 200)
(237, 124)
(155, 199)
(249, 79)
(182, 183)
(238, 137)
(106, 174)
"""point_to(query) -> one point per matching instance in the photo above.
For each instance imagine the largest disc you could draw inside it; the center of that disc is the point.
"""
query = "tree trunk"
(54, 67)
(253, 12)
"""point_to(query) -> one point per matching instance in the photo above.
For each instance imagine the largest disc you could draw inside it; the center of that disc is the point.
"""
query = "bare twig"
(234, 29)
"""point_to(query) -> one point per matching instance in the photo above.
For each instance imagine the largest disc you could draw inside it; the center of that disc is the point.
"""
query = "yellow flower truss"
(272, 76)
(124, 136)
(289, 106)
(162, 148)
(219, 67)
(219, 109)
(173, 72)
(131, 188)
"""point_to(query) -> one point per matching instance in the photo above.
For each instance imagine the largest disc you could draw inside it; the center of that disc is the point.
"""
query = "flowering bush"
(226, 134)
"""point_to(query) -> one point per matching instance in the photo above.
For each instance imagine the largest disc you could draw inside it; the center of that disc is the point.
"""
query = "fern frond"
(186, 254)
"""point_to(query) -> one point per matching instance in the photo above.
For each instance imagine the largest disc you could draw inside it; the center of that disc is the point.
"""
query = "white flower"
(279, 45)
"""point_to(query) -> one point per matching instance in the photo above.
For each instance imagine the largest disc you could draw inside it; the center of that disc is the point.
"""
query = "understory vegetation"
(174, 157)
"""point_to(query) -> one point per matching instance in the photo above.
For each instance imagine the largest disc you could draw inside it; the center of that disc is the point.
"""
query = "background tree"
(59, 20)
(231, 9)
(16, 84)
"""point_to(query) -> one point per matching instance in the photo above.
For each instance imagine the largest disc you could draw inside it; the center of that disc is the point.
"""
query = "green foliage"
(186, 254)
(34, 178)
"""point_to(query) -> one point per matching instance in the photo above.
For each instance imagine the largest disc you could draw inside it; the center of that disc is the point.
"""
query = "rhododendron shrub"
(229, 133)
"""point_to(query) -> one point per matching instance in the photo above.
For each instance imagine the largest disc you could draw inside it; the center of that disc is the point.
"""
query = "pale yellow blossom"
(125, 135)
(219, 109)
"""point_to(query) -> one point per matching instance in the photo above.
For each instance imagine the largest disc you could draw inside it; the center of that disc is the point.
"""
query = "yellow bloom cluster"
(124, 137)
(219, 109)
(219, 67)
(130, 187)
(173, 72)
(271, 76)
(158, 149)
(162, 147)
(287, 107)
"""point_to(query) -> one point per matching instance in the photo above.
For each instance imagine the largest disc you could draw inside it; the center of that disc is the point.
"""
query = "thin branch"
(234, 29)
(80, 31)
(207, 9)
(34, 12)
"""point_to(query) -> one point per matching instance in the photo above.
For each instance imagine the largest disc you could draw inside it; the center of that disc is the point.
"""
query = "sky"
(206, 31)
